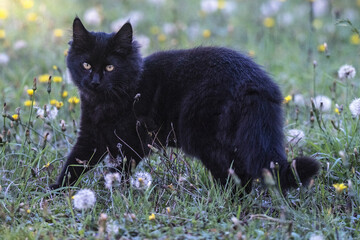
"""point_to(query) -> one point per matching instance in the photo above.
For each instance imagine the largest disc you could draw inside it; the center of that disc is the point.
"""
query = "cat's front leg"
(84, 155)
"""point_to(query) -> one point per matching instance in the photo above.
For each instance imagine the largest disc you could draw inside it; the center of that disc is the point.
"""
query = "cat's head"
(104, 65)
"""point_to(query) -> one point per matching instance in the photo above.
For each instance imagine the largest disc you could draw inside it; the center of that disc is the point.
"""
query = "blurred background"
(283, 36)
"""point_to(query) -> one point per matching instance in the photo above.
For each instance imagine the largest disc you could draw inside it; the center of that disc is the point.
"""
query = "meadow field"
(311, 49)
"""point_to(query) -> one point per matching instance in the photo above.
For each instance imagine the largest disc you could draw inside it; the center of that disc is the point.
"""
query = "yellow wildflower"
(44, 78)
(27, 3)
(30, 92)
(251, 53)
(322, 47)
(355, 39)
(46, 165)
(3, 13)
(66, 52)
(64, 94)
(55, 67)
(162, 37)
(53, 102)
(2, 34)
(168, 209)
(58, 32)
(28, 103)
(287, 99)
(339, 187)
(31, 17)
(206, 33)
(59, 104)
(15, 117)
(28, 211)
(337, 111)
(317, 24)
(269, 22)
(152, 216)
(221, 4)
(57, 79)
(154, 30)
(74, 100)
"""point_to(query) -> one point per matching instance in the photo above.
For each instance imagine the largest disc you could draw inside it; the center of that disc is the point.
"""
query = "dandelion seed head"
(295, 137)
(83, 199)
(355, 107)
(141, 180)
(322, 103)
(111, 179)
(299, 100)
(346, 72)
(92, 17)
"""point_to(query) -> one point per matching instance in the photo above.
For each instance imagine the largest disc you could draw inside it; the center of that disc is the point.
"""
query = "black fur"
(214, 103)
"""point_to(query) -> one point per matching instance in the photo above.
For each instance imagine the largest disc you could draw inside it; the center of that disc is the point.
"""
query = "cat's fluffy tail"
(303, 167)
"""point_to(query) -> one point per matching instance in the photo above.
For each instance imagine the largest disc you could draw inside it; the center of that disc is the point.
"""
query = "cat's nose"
(95, 82)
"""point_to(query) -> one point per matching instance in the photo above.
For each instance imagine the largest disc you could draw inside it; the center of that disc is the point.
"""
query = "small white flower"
(346, 72)
(295, 137)
(133, 17)
(83, 199)
(20, 44)
(141, 180)
(112, 178)
(355, 107)
(92, 17)
(323, 103)
(4, 59)
(209, 6)
(50, 113)
(299, 100)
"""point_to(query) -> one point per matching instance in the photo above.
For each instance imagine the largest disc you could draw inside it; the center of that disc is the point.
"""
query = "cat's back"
(207, 68)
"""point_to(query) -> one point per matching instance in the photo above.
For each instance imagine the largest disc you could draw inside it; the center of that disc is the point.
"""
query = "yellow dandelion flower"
(64, 94)
(251, 53)
(287, 99)
(154, 30)
(269, 22)
(152, 216)
(15, 117)
(355, 39)
(168, 209)
(162, 37)
(58, 105)
(27, 3)
(322, 47)
(339, 187)
(221, 4)
(29, 103)
(206, 33)
(30, 92)
(317, 24)
(53, 102)
(28, 211)
(2, 34)
(58, 33)
(44, 78)
(337, 111)
(3, 13)
(74, 100)
(55, 67)
(57, 79)
(31, 17)
(47, 165)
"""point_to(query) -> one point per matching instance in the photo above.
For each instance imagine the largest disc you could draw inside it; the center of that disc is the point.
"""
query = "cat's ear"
(80, 34)
(123, 38)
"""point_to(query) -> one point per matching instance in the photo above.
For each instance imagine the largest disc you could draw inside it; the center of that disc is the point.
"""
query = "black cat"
(214, 103)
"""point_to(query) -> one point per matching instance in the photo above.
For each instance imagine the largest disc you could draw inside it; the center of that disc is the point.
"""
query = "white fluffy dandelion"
(83, 199)
(323, 103)
(141, 180)
(355, 107)
(295, 137)
(299, 100)
(92, 17)
(346, 72)
(111, 179)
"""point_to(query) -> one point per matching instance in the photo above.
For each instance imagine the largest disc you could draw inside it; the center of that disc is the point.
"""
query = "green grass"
(199, 208)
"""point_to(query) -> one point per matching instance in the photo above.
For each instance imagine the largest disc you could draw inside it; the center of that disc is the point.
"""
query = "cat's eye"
(109, 68)
(86, 66)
